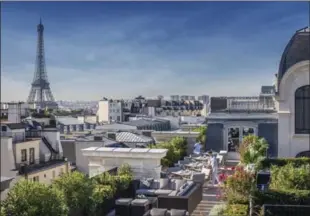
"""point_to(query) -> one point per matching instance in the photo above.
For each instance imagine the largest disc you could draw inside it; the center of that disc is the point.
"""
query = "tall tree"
(77, 189)
(29, 198)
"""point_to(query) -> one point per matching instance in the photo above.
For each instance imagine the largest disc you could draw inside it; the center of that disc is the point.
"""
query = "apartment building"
(110, 110)
(18, 111)
(35, 155)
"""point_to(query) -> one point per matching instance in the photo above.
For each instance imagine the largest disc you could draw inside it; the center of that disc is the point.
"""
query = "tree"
(77, 189)
(29, 198)
(179, 144)
(177, 149)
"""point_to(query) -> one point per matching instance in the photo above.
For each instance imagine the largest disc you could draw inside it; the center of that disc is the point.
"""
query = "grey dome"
(297, 50)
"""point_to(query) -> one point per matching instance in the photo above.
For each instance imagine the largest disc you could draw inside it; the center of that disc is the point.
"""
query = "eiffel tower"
(40, 92)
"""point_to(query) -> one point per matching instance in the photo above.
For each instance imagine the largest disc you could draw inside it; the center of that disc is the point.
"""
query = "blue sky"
(124, 49)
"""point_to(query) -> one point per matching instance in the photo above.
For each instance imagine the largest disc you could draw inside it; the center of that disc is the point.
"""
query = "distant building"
(204, 99)
(136, 124)
(67, 125)
(175, 97)
(110, 110)
(19, 110)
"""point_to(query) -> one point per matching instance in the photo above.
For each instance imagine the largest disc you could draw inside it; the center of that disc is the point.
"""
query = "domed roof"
(297, 50)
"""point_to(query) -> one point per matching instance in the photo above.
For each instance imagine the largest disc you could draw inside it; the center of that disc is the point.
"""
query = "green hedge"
(271, 210)
(236, 210)
(288, 197)
(268, 162)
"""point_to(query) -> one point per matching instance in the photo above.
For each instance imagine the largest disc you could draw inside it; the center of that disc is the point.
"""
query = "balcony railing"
(36, 165)
(242, 104)
(249, 104)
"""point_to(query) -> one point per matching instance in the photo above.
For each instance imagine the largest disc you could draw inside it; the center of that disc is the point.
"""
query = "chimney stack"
(147, 133)
(112, 136)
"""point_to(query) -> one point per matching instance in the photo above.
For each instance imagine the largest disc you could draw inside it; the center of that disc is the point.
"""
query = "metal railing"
(36, 164)
(250, 103)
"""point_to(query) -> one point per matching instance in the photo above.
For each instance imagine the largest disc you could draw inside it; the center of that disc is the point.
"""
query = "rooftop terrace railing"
(254, 103)
(36, 165)
(231, 104)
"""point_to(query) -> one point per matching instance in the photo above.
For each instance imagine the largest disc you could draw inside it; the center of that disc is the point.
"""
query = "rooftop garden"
(71, 194)
(289, 183)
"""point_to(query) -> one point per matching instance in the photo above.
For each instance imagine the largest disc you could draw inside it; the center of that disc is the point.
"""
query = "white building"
(293, 96)
(110, 110)
(144, 162)
(280, 114)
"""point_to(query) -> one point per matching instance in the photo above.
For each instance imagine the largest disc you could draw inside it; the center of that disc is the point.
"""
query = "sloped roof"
(132, 137)
(14, 126)
(297, 50)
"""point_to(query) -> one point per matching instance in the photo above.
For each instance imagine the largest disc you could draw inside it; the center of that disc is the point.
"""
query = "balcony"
(37, 165)
(19, 137)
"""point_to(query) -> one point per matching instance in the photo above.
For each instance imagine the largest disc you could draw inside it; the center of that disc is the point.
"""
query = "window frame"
(23, 157)
(302, 99)
(31, 156)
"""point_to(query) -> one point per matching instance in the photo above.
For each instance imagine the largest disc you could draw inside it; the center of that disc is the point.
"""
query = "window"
(61, 171)
(302, 110)
(3, 128)
(233, 139)
(24, 155)
(118, 118)
(36, 178)
(53, 174)
(31, 155)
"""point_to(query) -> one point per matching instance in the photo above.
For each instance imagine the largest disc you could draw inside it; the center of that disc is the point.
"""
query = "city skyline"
(126, 49)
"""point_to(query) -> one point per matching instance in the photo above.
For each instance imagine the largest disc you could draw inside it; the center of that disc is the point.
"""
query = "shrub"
(176, 147)
(29, 198)
(202, 134)
(124, 170)
(252, 149)
(237, 187)
(236, 210)
(268, 162)
(290, 177)
(217, 210)
(279, 197)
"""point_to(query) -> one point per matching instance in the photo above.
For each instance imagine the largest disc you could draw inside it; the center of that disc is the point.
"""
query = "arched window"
(302, 110)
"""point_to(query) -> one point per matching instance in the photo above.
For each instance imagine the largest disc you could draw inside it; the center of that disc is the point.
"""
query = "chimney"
(147, 133)
(97, 138)
(112, 136)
